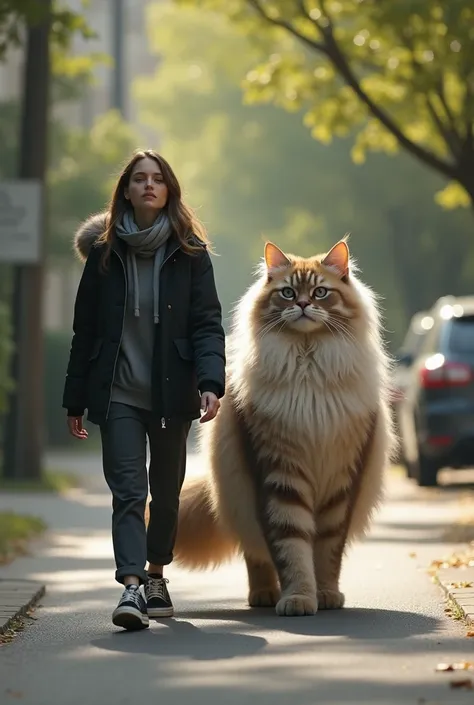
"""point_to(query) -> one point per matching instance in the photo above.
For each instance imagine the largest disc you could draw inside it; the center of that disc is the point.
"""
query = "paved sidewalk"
(458, 586)
(16, 598)
(17, 595)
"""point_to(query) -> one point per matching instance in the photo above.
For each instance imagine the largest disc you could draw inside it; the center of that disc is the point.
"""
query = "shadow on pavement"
(182, 638)
(179, 637)
(352, 623)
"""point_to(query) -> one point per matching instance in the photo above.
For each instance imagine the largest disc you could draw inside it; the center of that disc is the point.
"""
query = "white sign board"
(20, 221)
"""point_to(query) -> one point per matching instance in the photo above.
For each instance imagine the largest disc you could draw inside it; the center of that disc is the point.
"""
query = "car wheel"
(425, 471)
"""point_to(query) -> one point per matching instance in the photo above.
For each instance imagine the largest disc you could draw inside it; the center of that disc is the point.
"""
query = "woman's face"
(147, 190)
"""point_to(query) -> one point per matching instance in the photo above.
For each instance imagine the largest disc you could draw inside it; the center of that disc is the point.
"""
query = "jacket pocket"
(96, 348)
(185, 349)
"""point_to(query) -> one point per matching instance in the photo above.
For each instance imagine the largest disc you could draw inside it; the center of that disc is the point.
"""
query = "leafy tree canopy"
(392, 74)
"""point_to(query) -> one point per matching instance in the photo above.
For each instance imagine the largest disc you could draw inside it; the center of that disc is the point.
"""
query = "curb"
(16, 598)
(458, 586)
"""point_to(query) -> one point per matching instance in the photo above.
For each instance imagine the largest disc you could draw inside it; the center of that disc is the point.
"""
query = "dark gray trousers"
(124, 442)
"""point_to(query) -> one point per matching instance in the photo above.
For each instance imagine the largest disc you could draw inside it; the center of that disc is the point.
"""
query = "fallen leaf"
(14, 693)
(466, 683)
(461, 666)
(444, 667)
(412, 554)
(470, 634)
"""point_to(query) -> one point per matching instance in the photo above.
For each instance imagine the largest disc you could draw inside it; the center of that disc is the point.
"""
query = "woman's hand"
(76, 429)
(210, 405)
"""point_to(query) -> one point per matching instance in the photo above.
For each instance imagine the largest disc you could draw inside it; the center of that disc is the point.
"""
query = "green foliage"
(56, 355)
(71, 73)
(388, 74)
(83, 168)
(81, 173)
(253, 173)
(15, 532)
(54, 481)
(57, 345)
(14, 14)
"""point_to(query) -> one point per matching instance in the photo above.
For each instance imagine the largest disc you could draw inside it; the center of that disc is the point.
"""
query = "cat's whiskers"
(345, 329)
(337, 328)
(276, 319)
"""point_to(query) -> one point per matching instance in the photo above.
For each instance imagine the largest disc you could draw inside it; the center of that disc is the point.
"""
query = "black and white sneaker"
(158, 600)
(130, 612)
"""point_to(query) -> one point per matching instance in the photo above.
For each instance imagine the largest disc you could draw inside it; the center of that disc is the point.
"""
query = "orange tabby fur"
(298, 451)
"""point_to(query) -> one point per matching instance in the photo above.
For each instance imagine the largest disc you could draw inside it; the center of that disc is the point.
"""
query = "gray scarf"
(144, 243)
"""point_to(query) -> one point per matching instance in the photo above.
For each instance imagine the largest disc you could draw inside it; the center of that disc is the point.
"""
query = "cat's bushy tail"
(201, 542)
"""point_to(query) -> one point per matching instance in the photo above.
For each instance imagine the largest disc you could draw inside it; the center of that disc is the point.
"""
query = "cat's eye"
(287, 292)
(320, 292)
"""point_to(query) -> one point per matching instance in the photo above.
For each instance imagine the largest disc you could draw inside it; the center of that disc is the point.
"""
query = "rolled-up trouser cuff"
(158, 559)
(140, 573)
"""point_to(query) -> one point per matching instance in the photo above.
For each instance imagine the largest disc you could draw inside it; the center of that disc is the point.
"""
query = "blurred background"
(287, 120)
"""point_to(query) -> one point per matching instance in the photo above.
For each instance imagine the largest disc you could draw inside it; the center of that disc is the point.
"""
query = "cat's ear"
(274, 257)
(338, 259)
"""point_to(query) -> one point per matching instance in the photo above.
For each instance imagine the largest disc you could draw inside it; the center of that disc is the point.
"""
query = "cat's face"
(307, 295)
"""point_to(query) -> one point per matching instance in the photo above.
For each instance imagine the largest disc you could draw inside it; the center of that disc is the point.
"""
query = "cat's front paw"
(296, 606)
(330, 600)
(264, 597)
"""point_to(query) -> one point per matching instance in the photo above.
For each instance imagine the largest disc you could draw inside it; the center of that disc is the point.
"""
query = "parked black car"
(436, 416)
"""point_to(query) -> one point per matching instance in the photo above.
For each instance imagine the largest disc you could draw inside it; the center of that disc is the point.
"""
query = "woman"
(147, 357)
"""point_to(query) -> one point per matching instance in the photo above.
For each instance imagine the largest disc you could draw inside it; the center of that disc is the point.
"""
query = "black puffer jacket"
(189, 347)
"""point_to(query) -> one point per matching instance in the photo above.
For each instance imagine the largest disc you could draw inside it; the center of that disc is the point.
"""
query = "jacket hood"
(88, 233)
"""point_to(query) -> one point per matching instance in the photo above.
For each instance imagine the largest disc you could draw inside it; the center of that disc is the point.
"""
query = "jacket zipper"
(121, 334)
(163, 419)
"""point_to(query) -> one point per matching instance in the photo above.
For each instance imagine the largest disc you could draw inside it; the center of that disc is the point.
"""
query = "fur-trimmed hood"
(87, 234)
(92, 228)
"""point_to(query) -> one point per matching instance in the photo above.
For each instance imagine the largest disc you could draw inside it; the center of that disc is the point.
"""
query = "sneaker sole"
(130, 619)
(158, 612)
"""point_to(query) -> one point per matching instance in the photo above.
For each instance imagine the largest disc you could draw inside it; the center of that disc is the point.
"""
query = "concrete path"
(383, 648)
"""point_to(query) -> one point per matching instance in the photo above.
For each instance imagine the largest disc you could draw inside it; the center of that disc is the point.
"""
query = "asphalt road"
(382, 648)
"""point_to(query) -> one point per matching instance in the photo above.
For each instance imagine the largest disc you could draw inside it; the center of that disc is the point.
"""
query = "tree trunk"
(23, 445)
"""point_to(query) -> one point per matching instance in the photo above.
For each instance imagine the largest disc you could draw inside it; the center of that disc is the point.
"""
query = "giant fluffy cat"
(299, 448)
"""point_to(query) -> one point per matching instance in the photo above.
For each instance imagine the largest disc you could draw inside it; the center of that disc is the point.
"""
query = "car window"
(461, 335)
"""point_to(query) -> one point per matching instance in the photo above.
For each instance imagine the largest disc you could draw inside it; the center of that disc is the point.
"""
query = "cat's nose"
(303, 304)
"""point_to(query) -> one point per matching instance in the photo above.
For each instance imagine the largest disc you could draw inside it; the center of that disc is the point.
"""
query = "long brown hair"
(184, 221)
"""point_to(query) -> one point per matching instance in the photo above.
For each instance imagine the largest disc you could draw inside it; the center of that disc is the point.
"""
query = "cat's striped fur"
(299, 448)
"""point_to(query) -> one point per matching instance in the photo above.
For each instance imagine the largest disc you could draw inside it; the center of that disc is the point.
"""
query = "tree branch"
(424, 155)
(314, 22)
(447, 132)
(327, 16)
(444, 102)
(331, 49)
(468, 110)
(451, 138)
(315, 46)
